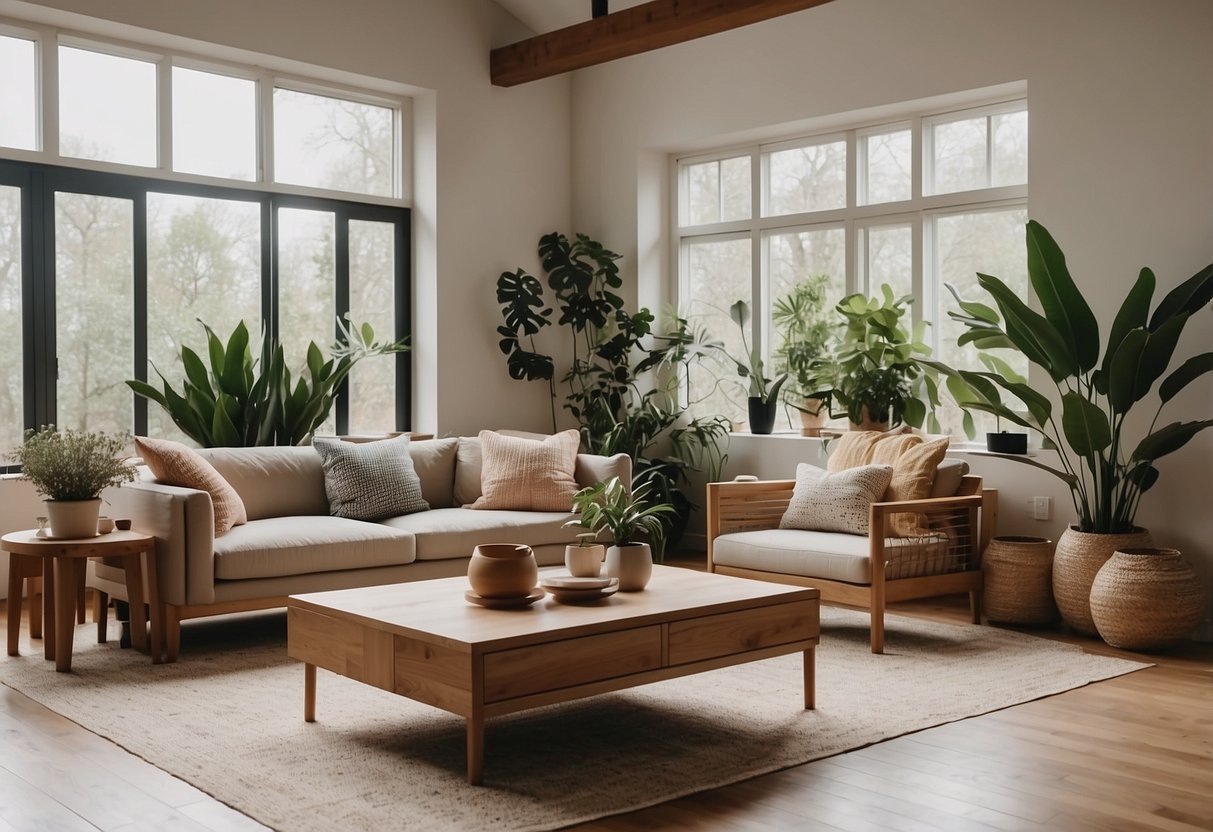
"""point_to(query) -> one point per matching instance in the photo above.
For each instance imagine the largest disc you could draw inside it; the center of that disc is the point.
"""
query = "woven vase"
(1076, 561)
(1145, 598)
(1018, 581)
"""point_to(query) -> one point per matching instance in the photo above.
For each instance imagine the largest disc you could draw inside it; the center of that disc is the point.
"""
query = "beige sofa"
(291, 544)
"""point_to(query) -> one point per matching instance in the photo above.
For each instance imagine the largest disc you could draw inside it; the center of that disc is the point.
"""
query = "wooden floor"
(1132, 753)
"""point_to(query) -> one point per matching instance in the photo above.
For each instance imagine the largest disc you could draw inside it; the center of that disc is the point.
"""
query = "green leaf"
(1168, 439)
(1031, 333)
(1125, 370)
(231, 379)
(195, 370)
(1133, 314)
(1085, 426)
(223, 429)
(1064, 306)
(1191, 296)
(1188, 372)
(978, 311)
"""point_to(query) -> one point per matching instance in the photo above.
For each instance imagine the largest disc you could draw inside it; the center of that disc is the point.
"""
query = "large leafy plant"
(1107, 471)
(239, 401)
(73, 465)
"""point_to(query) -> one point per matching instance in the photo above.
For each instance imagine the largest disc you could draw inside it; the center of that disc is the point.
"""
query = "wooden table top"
(436, 611)
(114, 543)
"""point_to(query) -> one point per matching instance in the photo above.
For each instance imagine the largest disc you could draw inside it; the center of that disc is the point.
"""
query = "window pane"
(717, 276)
(887, 173)
(991, 242)
(18, 105)
(1009, 140)
(960, 155)
(735, 188)
(214, 124)
(107, 107)
(812, 178)
(373, 301)
(327, 142)
(889, 258)
(203, 263)
(792, 257)
(12, 415)
(717, 191)
(94, 321)
(306, 286)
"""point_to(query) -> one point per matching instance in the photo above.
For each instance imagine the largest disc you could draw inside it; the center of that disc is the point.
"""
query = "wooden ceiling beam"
(629, 32)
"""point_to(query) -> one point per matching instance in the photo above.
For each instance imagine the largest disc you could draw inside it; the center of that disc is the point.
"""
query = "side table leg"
(15, 580)
(66, 570)
(476, 747)
(134, 593)
(48, 608)
(810, 679)
(35, 602)
(155, 608)
(81, 574)
(309, 693)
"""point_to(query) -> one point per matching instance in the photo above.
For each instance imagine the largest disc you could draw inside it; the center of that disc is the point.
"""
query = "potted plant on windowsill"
(764, 392)
(71, 469)
(1106, 471)
(801, 319)
(636, 526)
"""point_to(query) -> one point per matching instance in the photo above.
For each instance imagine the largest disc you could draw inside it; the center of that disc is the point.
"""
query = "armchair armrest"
(945, 534)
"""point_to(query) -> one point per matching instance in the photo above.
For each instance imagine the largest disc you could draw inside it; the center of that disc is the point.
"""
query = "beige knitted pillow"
(174, 464)
(835, 502)
(528, 474)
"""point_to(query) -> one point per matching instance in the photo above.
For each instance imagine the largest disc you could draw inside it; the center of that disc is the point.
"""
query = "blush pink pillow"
(175, 464)
(527, 474)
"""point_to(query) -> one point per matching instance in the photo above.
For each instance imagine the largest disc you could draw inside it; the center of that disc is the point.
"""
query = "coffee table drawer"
(729, 633)
(562, 664)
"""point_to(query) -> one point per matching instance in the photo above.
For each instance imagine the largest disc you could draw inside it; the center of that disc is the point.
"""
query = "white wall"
(1120, 170)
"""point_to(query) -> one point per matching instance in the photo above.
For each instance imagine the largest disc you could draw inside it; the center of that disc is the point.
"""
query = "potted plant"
(633, 522)
(800, 316)
(878, 379)
(764, 391)
(1106, 469)
(71, 469)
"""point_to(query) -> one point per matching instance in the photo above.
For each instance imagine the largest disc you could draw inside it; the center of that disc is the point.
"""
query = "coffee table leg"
(476, 747)
(810, 679)
(309, 693)
(66, 580)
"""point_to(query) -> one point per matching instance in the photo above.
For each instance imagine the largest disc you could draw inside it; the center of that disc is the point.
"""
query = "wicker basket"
(1019, 580)
(1078, 558)
(1146, 598)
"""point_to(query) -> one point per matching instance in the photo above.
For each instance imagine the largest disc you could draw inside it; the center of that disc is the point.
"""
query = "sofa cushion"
(948, 476)
(371, 480)
(467, 471)
(914, 466)
(831, 556)
(453, 532)
(528, 474)
(434, 461)
(835, 502)
(279, 481)
(175, 464)
(280, 546)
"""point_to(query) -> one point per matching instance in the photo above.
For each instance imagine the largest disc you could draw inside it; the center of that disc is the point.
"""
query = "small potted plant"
(71, 469)
(633, 524)
(801, 318)
(764, 392)
(584, 560)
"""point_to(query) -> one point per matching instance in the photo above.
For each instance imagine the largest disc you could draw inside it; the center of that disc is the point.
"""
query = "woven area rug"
(228, 718)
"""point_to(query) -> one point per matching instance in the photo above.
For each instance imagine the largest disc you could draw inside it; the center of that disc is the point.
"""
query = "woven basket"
(1078, 558)
(1018, 582)
(1146, 598)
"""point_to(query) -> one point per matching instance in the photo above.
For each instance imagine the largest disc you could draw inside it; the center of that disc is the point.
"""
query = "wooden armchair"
(744, 540)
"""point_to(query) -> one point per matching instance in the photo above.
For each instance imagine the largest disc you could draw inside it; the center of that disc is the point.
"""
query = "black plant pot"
(1007, 443)
(762, 414)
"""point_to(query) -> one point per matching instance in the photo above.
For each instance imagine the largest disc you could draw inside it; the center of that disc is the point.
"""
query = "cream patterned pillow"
(824, 501)
(528, 474)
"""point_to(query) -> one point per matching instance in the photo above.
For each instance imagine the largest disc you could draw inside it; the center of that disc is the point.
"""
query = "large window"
(142, 197)
(917, 203)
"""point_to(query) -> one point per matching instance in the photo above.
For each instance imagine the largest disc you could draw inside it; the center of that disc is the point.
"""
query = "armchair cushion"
(829, 555)
(914, 466)
(835, 502)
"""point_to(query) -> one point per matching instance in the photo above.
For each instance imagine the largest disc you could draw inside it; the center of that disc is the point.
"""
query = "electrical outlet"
(1042, 508)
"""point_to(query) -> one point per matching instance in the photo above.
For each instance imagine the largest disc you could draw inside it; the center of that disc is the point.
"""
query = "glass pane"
(94, 318)
(373, 301)
(991, 242)
(18, 102)
(332, 143)
(703, 194)
(214, 124)
(735, 188)
(203, 263)
(306, 286)
(12, 415)
(1009, 138)
(812, 178)
(889, 258)
(717, 276)
(107, 107)
(887, 176)
(960, 155)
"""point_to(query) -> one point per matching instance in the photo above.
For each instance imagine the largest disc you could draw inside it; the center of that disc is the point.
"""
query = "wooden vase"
(1145, 598)
(1077, 560)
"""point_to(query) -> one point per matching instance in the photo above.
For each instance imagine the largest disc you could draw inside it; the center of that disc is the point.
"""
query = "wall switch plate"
(1042, 508)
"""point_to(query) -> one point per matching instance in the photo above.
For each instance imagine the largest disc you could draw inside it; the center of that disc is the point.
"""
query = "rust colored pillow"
(528, 474)
(175, 464)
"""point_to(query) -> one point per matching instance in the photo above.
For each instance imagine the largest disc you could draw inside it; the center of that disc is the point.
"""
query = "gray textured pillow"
(370, 481)
(835, 502)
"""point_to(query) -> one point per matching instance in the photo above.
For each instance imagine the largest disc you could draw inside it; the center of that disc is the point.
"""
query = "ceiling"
(549, 15)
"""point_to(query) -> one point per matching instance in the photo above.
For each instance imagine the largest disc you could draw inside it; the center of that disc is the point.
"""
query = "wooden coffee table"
(423, 641)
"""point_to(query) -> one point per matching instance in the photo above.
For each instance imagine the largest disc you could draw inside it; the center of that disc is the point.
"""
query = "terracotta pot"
(503, 570)
(1018, 580)
(1146, 598)
(631, 564)
(1078, 558)
(73, 518)
(813, 417)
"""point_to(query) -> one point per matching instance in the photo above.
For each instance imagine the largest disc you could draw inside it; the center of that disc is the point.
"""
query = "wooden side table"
(61, 564)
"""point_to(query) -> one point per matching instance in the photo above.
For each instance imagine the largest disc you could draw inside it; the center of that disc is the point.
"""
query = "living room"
(1119, 170)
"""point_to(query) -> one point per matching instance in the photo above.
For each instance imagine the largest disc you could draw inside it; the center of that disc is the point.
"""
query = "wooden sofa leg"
(877, 629)
(975, 605)
(172, 633)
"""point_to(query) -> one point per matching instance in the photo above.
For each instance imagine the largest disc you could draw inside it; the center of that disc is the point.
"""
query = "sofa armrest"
(592, 469)
(745, 506)
(183, 523)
